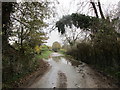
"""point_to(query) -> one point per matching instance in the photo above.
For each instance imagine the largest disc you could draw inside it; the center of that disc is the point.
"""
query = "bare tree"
(100, 10)
(94, 7)
(73, 35)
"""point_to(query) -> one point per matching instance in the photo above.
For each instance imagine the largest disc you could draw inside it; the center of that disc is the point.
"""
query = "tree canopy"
(22, 32)
(78, 20)
(56, 46)
(28, 21)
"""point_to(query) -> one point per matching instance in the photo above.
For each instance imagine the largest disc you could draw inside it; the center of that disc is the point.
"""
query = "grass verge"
(44, 54)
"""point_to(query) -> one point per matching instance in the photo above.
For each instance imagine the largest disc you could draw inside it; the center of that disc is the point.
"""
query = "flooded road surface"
(67, 73)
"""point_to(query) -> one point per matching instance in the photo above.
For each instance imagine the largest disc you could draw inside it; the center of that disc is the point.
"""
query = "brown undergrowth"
(29, 79)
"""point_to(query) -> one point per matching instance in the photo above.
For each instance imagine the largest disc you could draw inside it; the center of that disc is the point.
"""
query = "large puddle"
(61, 59)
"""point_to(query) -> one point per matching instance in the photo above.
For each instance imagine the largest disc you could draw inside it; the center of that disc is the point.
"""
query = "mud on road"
(68, 73)
(62, 80)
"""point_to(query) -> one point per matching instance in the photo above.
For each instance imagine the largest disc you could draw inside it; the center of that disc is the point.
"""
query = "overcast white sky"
(65, 7)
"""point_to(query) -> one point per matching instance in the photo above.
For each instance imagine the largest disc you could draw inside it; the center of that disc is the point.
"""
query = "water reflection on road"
(60, 60)
(64, 73)
(61, 72)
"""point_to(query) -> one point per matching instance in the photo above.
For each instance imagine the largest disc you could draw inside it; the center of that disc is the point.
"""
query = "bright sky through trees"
(65, 7)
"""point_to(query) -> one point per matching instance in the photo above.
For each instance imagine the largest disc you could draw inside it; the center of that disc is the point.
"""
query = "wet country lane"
(66, 73)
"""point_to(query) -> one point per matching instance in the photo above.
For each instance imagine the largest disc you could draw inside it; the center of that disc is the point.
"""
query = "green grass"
(44, 54)
(62, 51)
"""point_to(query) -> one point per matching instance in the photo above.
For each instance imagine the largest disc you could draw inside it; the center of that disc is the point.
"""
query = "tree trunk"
(21, 41)
(100, 9)
(94, 7)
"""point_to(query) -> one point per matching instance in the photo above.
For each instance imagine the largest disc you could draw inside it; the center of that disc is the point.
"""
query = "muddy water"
(66, 73)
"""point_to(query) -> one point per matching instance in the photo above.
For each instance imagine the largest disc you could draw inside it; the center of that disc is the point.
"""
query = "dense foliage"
(78, 20)
(22, 32)
(102, 49)
(56, 46)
